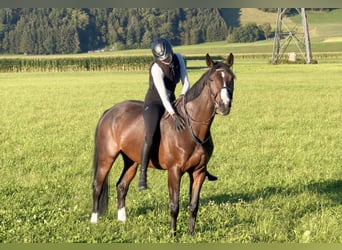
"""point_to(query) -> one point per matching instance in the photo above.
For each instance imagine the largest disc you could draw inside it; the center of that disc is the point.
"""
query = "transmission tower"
(283, 38)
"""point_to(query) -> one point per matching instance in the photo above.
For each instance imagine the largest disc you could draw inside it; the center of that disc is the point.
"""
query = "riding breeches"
(152, 115)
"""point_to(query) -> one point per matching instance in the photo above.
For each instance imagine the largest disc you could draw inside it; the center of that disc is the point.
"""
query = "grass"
(278, 158)
(253, 15)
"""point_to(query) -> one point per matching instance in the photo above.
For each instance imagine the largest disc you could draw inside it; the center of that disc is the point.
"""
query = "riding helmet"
(162, 49)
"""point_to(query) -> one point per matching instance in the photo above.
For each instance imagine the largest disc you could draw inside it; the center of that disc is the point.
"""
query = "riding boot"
(210, 177)
(145, 156)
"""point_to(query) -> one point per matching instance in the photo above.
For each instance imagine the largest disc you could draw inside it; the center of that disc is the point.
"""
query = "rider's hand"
(179, 122)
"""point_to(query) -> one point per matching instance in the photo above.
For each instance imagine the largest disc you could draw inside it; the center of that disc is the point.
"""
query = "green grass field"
(278, 157)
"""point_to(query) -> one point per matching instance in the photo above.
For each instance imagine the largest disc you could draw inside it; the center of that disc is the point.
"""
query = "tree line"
(71, 30)
(79, 30)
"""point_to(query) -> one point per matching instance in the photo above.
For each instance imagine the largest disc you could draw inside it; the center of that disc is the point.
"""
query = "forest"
(63, 31)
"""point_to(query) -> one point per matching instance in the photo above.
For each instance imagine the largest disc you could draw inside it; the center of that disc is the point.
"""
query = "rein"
(212, 115)
(194, 137)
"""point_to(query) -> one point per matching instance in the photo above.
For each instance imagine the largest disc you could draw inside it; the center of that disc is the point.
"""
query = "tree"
(266, 29)
(146, 40)
(49, 42)
(243, 34)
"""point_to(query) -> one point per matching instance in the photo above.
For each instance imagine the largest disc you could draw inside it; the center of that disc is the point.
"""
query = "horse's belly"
(182, 158)
(198, 159)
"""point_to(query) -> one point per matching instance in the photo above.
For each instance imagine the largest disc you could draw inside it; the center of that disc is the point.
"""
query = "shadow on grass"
(331, 189)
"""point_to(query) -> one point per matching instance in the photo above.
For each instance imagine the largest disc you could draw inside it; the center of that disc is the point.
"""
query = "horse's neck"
(200, 112)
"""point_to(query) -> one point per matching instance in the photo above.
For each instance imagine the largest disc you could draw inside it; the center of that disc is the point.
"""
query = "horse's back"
(123, 123)
(128, 108)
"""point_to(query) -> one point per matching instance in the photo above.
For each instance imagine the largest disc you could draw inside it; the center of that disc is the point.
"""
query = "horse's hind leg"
(122, 186)
(103, 161)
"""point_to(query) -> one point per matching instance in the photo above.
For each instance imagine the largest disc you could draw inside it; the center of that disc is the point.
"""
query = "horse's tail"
(103, 204)
(103, 200)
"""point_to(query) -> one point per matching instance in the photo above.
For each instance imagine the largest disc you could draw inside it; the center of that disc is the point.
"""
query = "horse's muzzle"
(223, 109)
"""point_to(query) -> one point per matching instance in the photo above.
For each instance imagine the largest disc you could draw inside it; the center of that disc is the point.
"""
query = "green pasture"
(277, 155)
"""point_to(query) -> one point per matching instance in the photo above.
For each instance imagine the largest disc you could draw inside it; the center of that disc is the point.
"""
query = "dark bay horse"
(120, 130)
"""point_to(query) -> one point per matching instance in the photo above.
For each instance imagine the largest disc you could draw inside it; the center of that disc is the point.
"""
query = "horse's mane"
(197, 88)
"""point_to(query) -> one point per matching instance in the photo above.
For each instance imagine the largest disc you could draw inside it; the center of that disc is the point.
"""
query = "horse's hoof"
(142, 187)
(211, 177)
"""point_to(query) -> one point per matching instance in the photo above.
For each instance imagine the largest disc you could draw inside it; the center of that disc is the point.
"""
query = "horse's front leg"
(174, 177)
(196, 180)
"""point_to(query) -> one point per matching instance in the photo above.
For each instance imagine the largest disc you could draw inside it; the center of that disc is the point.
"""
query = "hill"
(323, 26)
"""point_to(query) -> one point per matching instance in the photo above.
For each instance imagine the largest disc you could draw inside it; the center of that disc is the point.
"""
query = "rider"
(165, 72)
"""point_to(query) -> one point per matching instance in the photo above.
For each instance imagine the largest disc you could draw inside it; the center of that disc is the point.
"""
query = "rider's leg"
(152, 115)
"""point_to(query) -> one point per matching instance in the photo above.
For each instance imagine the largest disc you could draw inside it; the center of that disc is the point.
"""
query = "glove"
(179, 122)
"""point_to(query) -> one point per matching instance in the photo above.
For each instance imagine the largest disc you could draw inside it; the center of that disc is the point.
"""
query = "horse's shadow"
(328, 192)
(331, 189)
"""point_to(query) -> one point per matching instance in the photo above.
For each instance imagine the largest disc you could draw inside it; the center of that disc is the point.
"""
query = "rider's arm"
(158, 79)
(184, 74)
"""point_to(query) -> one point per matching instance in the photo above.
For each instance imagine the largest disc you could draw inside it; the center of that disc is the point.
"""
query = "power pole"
(282, 39)
(306, 37)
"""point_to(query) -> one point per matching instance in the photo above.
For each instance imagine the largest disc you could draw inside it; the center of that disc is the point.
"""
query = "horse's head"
(221, 83)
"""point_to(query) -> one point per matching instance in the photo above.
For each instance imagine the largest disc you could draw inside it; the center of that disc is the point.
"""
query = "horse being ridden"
(121, 130)
(167, 69)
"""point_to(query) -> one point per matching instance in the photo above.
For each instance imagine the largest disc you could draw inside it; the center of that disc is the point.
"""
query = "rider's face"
(167, 60)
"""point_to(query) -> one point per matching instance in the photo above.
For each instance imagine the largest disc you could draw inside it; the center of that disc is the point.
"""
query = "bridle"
(224, 87)
(208, 121)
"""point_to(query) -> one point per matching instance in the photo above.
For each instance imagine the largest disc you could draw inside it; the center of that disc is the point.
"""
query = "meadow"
(277, 155)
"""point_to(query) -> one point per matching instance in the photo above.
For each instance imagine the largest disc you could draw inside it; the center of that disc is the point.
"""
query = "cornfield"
(51, 64)
(122, 63)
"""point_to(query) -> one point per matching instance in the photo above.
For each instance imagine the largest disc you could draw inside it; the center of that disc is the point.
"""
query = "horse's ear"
(209, 61)
(230, 60)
